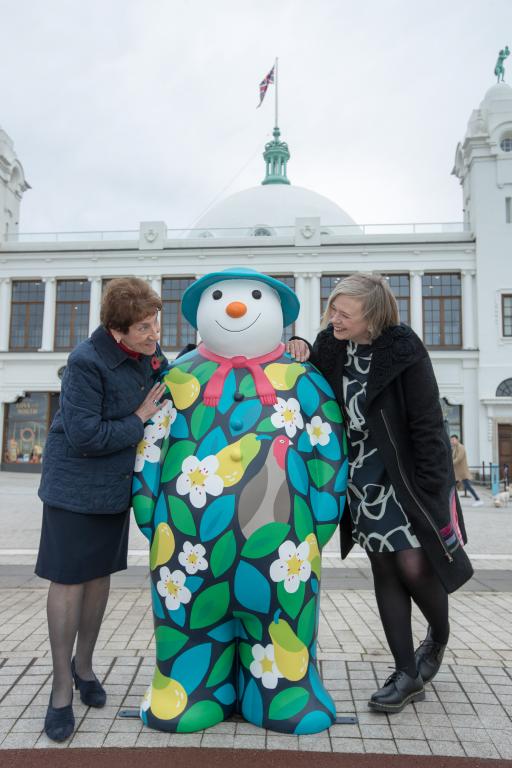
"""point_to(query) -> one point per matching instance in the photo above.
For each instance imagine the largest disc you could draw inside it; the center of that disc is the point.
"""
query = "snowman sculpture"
(240, 481)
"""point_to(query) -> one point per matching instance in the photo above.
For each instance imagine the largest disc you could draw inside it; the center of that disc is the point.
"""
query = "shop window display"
(25, 430)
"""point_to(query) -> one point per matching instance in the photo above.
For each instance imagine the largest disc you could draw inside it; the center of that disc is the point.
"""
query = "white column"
(156, 284)
(314, 306)
(417, 303)
(50, 294)
(301, 323)
(468, 320)
(94, 303)
(198, 335)
(5, 313)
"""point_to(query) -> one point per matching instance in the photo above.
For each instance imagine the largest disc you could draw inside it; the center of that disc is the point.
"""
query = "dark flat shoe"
(59, 722)
(399, 690)
(429, 657)
(92, 692)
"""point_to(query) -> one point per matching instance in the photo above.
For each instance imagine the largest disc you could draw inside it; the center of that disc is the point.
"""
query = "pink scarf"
(264, 388)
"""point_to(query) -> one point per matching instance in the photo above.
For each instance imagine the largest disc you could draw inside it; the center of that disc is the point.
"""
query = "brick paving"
(467, 710)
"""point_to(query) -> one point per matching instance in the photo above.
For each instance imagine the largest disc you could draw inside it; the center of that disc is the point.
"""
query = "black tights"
(74, 612)
(399, 577)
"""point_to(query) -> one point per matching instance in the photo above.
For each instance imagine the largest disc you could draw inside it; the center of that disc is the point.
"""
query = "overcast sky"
(124, 111)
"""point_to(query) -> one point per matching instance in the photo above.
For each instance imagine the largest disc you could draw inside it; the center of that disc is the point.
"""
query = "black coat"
(89, 455)
(405, 419)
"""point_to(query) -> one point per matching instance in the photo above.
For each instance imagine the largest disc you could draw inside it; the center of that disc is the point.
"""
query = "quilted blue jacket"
(90, 452)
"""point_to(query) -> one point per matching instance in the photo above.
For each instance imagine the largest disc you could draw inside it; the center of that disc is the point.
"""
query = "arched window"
(505, 388)
(15, 176)
(262, 232)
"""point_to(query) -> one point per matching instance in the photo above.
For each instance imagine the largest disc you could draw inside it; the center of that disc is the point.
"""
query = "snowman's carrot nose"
(236, 309)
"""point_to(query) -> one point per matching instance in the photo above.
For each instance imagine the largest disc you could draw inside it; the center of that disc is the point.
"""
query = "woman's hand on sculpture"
(151, 403)
(298, 349)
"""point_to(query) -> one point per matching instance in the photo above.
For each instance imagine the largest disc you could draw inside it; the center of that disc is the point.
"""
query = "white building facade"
(453, 282)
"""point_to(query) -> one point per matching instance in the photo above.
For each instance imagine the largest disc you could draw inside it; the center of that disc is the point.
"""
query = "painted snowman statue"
(240, 481)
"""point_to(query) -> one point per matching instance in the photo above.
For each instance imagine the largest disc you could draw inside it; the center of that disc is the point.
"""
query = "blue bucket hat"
(289, 302)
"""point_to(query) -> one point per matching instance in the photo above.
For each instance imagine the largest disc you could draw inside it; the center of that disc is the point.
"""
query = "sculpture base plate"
(340, 720)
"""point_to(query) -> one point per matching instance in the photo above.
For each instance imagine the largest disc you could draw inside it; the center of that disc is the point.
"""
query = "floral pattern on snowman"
(287, 415)
(237, 508)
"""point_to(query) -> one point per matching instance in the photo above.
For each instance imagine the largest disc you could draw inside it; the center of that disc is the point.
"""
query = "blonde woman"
(401, 503)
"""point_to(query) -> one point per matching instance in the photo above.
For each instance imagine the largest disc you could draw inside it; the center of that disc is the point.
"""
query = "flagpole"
(276, 123)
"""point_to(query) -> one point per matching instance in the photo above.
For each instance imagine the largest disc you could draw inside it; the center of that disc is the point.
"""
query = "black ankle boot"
(429, 656)
(92, 692)
(398, 690)
(59, 722)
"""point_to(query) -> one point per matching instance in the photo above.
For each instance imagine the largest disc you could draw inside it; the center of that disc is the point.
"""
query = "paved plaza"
(467, 711)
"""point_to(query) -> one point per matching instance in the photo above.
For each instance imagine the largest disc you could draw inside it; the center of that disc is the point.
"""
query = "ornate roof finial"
(276, 156)
(499, 69)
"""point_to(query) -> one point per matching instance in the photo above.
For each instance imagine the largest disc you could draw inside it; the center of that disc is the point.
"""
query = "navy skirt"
(77, 547)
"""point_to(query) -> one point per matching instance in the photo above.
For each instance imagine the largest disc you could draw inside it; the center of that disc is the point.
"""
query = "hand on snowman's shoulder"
(298, 349)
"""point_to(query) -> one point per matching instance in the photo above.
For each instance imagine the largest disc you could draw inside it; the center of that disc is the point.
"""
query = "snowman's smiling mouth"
(238, 330)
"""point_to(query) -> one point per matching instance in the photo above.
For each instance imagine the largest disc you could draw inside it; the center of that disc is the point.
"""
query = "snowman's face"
(240, 317)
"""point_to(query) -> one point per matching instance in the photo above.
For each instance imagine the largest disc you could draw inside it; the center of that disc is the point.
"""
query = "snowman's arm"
(328, 447)
(165, 368)
(172, 363)
(186, 349)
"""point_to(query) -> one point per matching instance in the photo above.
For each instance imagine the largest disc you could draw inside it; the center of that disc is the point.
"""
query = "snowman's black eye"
(217, 295)
(256, 294)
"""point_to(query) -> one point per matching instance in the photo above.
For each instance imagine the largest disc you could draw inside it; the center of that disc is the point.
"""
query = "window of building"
(25, 430)
(106, 280)
(176, 332)
(26, 315)
(442, 316)
(506, 144)
(506, 314)
(327, 285)
(400, 285)
(505, 388)
(71, 313)
(452, 416)
(288, 280)
(508, 210)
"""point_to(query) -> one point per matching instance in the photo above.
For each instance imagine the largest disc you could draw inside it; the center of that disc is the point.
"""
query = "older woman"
(403, 509)
(108, 392)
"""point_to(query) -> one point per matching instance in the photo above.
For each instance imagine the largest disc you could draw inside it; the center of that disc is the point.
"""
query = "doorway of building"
(505, 449)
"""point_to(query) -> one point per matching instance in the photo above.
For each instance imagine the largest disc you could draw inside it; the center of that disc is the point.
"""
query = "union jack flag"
(265, 84)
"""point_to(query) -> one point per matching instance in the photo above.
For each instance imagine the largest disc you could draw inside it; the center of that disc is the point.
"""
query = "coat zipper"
(406, 482)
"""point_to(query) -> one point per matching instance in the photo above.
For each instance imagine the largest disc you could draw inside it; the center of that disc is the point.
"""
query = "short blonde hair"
(379, 305)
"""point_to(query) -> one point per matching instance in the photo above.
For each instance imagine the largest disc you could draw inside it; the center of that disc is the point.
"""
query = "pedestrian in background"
(108, 392)
(403, 509)
(461, 469)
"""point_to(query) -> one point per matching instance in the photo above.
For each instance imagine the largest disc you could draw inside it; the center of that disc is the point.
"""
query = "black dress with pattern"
(379, 521)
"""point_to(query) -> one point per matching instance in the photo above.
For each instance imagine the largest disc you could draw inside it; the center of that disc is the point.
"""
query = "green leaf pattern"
(196, 612)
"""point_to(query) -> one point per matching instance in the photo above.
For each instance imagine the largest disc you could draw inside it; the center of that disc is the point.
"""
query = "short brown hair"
(379, 305)
(128, 300)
